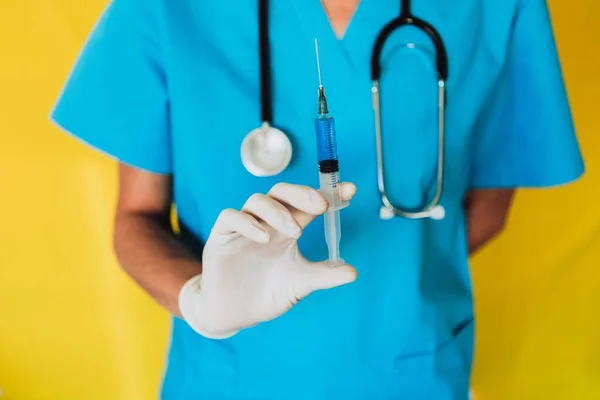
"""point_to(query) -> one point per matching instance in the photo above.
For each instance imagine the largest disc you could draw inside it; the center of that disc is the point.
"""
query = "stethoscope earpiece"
(436, 213)
(385, 213)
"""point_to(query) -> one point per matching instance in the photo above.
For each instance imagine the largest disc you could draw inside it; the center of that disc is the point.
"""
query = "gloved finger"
(303, 202)
(347, 191)
(232, 222)
(319, 276)
(306, 203)
(274, 214)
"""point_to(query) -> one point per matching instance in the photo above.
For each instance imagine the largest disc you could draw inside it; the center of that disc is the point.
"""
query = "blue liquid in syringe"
(326, 144)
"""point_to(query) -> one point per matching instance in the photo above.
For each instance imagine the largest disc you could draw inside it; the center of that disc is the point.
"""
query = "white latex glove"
(252, 270)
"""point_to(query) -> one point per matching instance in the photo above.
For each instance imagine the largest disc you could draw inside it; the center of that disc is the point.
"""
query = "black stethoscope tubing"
(407, 18)
(266, 102)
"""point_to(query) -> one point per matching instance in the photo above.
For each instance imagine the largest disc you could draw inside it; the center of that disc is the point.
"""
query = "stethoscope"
(267, 151)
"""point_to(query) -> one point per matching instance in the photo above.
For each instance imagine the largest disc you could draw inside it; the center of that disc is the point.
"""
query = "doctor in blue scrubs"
(171, 89)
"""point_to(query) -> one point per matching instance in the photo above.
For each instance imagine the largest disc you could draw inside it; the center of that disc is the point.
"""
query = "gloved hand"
(252, 270)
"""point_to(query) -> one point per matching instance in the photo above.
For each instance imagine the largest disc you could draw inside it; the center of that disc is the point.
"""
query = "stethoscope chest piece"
(266, 151)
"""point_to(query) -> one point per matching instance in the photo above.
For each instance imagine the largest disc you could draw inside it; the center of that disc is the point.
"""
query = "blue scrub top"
(172, 87)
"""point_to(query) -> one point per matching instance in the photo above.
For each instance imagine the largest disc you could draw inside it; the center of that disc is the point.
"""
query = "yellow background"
(72, 326)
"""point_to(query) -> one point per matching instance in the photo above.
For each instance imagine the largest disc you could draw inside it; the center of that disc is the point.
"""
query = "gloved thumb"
(319, 276)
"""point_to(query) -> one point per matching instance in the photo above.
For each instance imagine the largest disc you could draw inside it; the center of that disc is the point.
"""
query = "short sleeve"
(525, 136)
(115, 98)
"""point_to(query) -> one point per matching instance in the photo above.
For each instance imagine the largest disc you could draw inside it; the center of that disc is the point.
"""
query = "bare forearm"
(486, 211)
(480, 234)
(152, 255)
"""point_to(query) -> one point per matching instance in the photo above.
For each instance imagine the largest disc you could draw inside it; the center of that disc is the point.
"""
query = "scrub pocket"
(443, 374)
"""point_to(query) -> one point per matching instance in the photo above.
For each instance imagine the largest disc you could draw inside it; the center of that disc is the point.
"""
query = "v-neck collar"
(355, 46)
(315, 23)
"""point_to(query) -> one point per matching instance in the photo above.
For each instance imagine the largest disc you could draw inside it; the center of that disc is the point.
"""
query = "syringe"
(329, 174)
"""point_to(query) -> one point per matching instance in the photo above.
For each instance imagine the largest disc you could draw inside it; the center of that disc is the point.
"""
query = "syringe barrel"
(329, 186)
(326, 144)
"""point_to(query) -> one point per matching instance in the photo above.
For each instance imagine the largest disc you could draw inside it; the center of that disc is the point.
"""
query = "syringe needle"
(318, 62)
(323, 109)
